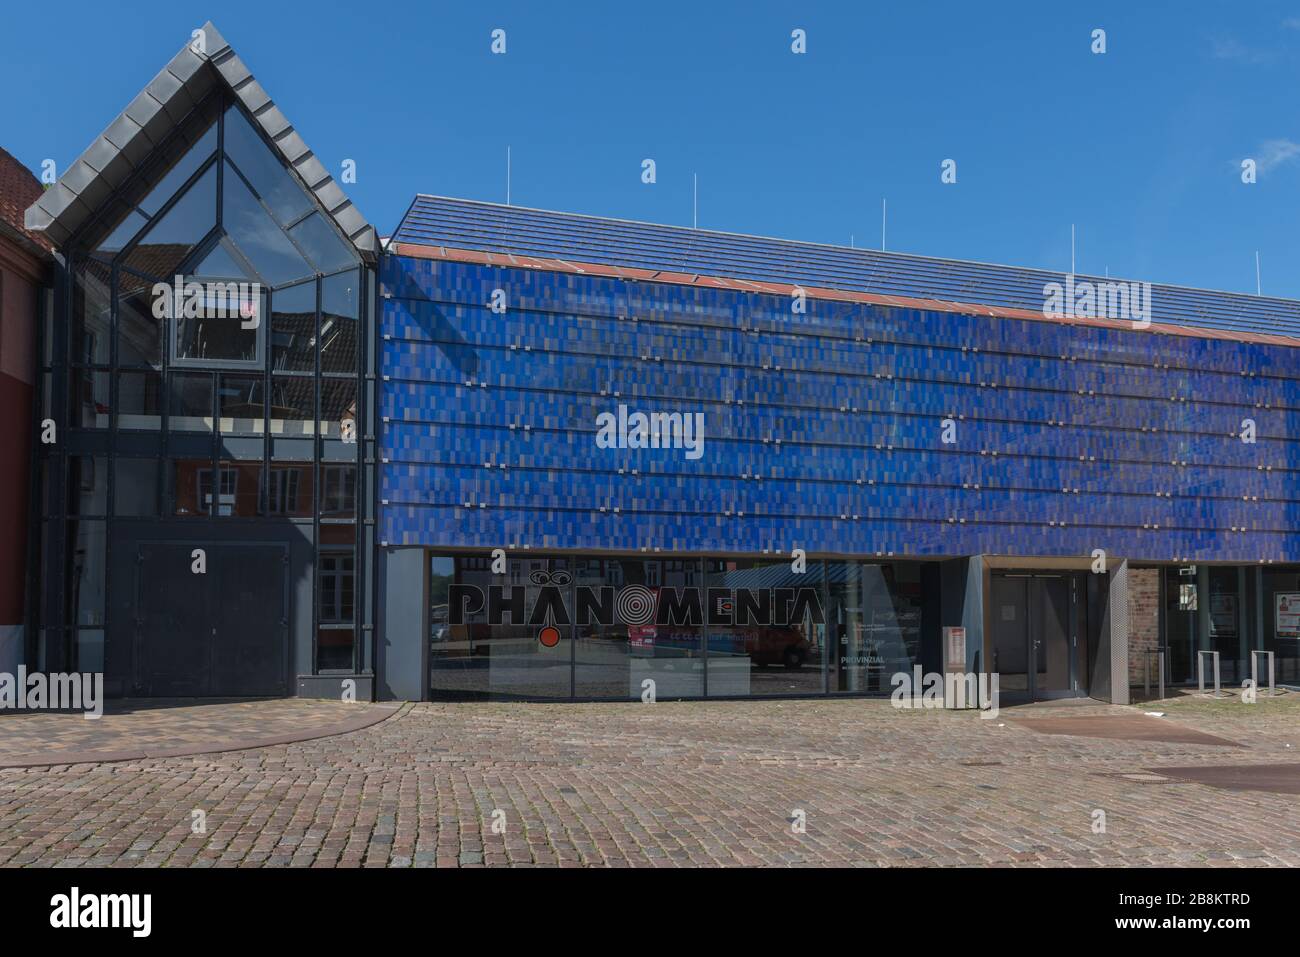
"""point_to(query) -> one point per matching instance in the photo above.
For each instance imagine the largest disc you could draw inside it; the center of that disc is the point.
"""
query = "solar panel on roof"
(515, 230)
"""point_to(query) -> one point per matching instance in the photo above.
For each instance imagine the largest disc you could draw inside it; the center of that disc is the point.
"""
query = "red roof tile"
(18, 190)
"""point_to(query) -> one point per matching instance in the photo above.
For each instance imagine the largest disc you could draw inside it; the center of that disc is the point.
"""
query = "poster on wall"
(1286, 606)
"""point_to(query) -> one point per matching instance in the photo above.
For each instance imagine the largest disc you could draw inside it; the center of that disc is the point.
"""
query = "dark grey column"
(402, 668)
(962, 605)
(1118, 620)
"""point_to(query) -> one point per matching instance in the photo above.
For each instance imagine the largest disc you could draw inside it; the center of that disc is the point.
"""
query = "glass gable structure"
(209, 395)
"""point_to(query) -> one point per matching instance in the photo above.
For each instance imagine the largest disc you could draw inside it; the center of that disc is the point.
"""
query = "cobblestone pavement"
(158, 728)
(675, 784)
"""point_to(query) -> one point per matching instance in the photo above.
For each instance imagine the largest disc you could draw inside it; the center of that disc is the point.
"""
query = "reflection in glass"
(763, 651)
(293, 405)
(614, 660)
(338, 324)
(86, 555)
(185, 166)
(336, 586)
(89, 342)
(87, 485)
(273, 183)
(139, 332)
(191, 402)
(257, 236)
(240, 404)
(293, 328)
(139, 400)
(338, 407)
(90, 398)
(322, 244)
(227, 330)
(289, 493)
(173, 236)
(338, 491)
(135, 487)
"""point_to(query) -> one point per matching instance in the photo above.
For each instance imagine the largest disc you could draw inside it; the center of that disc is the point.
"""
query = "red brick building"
(25, 260)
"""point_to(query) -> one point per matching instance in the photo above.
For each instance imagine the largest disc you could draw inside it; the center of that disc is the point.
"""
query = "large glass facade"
(212, 369)
(623, 628)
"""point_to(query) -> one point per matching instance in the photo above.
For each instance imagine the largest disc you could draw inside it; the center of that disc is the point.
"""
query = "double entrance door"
(1040, 633)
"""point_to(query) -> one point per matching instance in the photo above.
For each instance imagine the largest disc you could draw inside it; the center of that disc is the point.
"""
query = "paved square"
(675, 784)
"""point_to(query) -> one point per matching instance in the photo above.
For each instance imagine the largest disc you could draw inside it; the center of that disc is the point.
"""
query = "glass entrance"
(1035, 629)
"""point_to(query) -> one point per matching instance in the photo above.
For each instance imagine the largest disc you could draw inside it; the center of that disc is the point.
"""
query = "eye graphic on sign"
(636, 605)
(549, 636)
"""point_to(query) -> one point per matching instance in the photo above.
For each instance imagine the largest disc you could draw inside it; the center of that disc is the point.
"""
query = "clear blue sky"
(1139, 147)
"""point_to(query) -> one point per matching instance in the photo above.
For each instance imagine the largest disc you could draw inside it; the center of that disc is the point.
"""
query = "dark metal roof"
(160, 107)
(517, 230)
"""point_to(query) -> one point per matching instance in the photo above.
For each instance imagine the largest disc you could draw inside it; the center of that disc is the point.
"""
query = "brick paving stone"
(674, 784)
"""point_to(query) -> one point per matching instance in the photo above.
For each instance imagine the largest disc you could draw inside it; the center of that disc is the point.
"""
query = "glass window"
(186, 485)
(293, 328)
(172, 237)
(258, 237)
(339, 491)
(223, 327)
(135, 487)
(232, 490)
(220, 263)
(191, 402)
(336, 581)
(338, 323)
(764, 636)
(86, 555)
(338, 407)
(139, 332)
(322, 244)
(90, 398)
(183, 168)
(1281, 588)
(139, 401)
(240, 400)
(274, 184)
(91, 314)
(122, 234)
(90, 650)
(293, 405)
(289, 493)
(87, 485)
(642, 641)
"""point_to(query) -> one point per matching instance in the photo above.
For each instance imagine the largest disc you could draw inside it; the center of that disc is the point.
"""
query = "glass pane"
(289, 493)
(293, 405)
(240, 492)
(89, 342)
(135, 489)
(338, 324)
(122, 234)
(614, 659)
(86, 541)
(220, 264)
(338, 407)
(181, 171)
(338, 491)
(90, 396)
(322, 244)
(173, 237)
(258, 237)
(770, 641)
(191, 402)
(240, 400)
(139, 333)
(90, 650)
(223, 323)
(139, 400)
(293, 328)
(87, 485)
(185, 480)
(273, 183)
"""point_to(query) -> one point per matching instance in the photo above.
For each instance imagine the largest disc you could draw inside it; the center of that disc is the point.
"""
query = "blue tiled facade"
(823, 430)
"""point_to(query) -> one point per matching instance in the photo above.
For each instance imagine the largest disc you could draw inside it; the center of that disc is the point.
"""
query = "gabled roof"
(159, 108)
(443, 228)
(19, 188)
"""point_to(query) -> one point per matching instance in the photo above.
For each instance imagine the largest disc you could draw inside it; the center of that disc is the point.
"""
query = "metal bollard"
(1146, 671)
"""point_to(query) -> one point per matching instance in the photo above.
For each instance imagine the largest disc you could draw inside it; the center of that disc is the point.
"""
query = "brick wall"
(1144, 620)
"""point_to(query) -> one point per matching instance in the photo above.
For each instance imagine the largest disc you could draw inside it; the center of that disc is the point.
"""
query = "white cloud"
(1274, 153)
